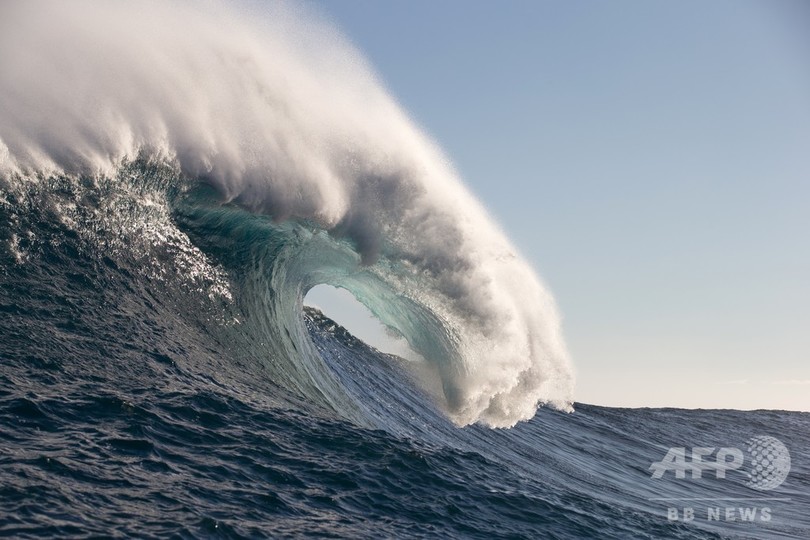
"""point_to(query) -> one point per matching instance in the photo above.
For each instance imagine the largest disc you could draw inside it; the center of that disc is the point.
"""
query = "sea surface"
(153, 386)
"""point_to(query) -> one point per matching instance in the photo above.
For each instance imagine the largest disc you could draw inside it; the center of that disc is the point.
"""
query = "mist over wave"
(282, 117)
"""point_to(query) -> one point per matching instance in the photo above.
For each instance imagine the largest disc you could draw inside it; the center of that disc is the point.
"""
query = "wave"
(258, 139)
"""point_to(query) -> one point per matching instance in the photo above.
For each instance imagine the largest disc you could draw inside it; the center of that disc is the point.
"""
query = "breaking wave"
(253, 156)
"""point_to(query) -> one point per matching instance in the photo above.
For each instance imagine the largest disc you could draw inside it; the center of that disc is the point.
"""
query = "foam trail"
(282, 116)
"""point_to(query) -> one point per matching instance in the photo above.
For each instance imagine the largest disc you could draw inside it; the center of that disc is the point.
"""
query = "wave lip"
(283, 117)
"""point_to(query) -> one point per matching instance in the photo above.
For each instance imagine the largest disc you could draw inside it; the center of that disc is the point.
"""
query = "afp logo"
(767, 466)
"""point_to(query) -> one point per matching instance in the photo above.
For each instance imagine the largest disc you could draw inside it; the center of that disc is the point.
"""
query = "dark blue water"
(158, 379)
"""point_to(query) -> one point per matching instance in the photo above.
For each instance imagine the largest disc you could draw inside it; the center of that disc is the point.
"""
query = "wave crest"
(283, 117)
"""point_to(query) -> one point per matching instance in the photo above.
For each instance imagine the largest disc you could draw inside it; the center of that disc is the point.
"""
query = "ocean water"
(143, 396)
(168, 199)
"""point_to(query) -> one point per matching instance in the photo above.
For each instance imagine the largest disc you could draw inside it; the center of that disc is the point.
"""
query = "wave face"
(268, 132)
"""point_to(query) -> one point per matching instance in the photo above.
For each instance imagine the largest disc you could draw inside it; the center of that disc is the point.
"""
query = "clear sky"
(651, 159)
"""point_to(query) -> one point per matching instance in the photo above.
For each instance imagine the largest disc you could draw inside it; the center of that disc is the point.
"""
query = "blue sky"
(651, 159)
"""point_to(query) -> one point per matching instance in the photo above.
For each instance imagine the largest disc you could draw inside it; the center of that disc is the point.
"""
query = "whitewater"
(175, 177)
